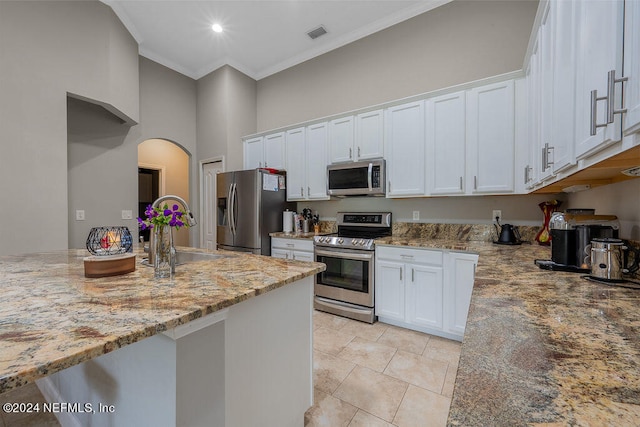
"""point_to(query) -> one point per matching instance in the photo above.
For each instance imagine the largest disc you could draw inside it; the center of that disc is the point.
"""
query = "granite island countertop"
(542, 347)
(52, 317)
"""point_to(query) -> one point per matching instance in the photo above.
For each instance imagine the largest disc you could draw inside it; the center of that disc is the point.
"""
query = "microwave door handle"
(369, 176)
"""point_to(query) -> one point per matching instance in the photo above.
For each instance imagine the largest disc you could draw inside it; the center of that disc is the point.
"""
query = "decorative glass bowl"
(113, 240)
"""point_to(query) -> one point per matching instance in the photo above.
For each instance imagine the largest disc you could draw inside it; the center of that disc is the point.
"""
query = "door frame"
(202, 207)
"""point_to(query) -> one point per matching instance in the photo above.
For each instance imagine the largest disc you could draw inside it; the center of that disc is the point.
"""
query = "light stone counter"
(52, 317)
(542, 347)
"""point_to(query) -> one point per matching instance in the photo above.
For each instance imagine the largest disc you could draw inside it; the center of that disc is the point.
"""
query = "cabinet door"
(280, 253)
(405, 149)
(600, 26)
(302, 256)
(490, 138)
(563, 94)
(424, 295)
(389, 290)
(545, 52)
(341, 140)
(316, 161)
(533, 125)
(369, 135)
(274, 151)
(446, 139)
(632, 66)
(461, 270)
(296, 183)
(253, 152)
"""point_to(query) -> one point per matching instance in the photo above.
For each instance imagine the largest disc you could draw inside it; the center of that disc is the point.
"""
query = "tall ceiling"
(259, 37)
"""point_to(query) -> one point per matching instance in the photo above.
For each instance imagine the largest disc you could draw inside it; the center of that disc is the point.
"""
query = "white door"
(208, 208)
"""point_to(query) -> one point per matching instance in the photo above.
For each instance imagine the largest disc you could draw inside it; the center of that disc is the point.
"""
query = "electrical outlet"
(79, 215)
(127, 214)
(416, 215)
(497, 214)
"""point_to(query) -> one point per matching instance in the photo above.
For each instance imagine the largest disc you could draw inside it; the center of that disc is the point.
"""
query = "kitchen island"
(226, 342)
(542, 347)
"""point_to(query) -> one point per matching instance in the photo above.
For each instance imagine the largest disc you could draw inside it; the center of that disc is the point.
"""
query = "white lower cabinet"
(423, 289)
(295, 249)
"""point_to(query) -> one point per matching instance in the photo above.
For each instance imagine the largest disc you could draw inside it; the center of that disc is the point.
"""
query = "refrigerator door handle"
(230, 209)
(235, 205)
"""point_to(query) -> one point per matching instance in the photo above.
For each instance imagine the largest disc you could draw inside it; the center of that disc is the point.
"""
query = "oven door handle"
(348, 255)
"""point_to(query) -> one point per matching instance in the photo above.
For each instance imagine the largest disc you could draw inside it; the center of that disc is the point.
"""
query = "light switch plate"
(127, 214)
(80, 215)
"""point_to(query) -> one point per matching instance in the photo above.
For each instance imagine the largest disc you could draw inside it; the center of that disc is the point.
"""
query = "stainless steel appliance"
(356, 179)
(249, 207)
(571, 236)
(346, 287)
(608, 260)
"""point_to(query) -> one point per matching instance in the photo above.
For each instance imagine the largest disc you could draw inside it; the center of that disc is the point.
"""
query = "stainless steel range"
(346, 287)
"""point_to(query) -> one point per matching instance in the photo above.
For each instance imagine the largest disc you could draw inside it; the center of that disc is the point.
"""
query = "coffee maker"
(571, 236)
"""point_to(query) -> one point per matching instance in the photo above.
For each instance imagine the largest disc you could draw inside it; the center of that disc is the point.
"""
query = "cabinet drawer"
(411, 255)
(292, 244)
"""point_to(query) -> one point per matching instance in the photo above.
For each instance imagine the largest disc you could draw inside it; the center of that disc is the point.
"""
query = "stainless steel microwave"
(356, 179)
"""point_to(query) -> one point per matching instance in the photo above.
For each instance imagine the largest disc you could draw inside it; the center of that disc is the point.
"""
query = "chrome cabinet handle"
(611, 95)
(594, 112)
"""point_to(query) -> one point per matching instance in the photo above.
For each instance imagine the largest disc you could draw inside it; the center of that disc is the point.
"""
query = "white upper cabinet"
(405, 149)
(316, 161)
(306, 149)
(253, 153)
(369, 135)
(274, 151)
(564, 24)
(296, 162)
(356, 138)
(632, 67)
(265, 152)
(341, 138)
(490, 138)
(445, 142)
(599, 51)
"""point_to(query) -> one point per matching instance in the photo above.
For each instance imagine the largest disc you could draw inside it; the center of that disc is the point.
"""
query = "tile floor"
(379, 375)
(364, 375)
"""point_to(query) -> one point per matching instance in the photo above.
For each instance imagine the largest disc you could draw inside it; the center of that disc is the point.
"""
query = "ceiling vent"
(317, 32)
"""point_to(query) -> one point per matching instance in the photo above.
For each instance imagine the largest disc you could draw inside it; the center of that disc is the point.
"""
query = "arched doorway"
(163, 168)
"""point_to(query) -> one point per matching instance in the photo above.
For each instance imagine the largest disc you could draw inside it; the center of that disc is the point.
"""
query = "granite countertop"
(542, 346)
(52, 317)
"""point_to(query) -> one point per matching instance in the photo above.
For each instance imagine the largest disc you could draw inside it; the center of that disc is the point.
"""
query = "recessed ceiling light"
(216, 28)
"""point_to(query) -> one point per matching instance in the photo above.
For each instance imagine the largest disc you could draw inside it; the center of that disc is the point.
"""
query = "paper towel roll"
(287, 221)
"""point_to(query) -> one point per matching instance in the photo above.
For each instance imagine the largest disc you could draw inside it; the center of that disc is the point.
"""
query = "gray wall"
(456, 43)
(49, 49)
(226, 110)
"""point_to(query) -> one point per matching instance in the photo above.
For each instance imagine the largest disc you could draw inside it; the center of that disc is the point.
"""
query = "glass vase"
(164, 253)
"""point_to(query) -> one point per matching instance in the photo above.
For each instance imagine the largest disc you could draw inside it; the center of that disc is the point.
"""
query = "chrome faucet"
(190, 220)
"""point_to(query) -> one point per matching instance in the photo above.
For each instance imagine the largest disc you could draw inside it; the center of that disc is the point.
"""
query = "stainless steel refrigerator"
(249, 207)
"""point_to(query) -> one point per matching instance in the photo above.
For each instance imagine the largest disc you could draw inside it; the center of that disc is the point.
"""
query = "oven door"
(348, 277)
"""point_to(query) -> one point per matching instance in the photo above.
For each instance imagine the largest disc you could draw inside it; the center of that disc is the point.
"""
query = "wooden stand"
(109, 265)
